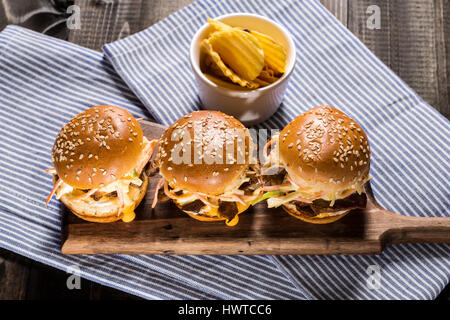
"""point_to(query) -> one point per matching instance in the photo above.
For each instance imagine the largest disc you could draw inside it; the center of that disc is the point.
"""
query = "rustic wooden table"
(413, 40)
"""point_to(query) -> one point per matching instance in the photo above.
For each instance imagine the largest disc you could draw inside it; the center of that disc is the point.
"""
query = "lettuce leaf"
(267, 195)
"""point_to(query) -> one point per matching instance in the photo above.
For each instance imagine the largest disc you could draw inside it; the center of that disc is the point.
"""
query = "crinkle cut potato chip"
(225, 83)
(218, 25)
(274, 53)
(218, 64)
(247, 58)
(240, 51)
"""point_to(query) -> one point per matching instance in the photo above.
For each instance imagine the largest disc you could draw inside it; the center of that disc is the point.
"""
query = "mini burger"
(207, 166)
(98, 164)
(317, 166)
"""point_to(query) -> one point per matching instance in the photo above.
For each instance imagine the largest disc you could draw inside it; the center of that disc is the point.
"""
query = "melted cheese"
(128, 214)
(233, 222)
(123, 184)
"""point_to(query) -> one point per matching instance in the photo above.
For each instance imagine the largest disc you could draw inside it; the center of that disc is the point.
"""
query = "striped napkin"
(43, 83)
(410, 141)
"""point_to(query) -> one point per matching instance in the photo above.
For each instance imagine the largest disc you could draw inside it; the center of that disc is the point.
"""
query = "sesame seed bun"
(325, 150)
(193, 153)
(304, 217)
(96, 211)
(97, 147)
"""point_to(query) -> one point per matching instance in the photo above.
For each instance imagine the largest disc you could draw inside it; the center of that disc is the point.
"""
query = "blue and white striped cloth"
(410, 141)
(45, 81)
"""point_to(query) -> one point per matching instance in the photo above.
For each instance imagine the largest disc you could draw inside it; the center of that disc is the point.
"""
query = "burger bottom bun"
(105, 213)
(204, 217)
(299, 215)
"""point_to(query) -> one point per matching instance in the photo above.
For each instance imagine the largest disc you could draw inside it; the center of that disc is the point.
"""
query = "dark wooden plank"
(47, 283)
(167, 230)
(22, 278)
(442, 57)
(446, 17)
(108, 20)
(339, 8)
(411, 41)
(14, 271)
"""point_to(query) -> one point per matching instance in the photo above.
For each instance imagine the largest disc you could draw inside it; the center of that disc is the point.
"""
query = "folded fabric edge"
(135, 91)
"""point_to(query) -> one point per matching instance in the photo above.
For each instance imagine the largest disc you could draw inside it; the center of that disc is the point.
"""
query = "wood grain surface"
(19, 275)
(167, 230)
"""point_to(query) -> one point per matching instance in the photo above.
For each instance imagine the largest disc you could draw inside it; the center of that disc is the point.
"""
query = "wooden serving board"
(167, 230)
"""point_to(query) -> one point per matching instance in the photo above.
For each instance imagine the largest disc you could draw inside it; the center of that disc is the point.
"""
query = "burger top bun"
(97, 147)
(205, 151)
(325, 149)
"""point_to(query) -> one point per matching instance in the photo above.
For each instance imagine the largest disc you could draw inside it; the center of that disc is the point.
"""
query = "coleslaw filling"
(118, 190)
(211, 202)
(290, 190)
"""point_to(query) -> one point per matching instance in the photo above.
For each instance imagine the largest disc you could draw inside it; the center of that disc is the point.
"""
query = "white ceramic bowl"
(249, 106)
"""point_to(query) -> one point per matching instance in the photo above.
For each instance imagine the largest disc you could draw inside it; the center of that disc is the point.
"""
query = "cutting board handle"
(399, 228)
(405, 229)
